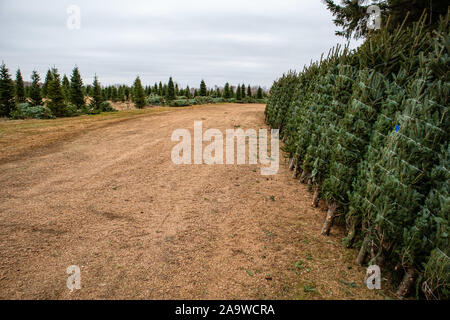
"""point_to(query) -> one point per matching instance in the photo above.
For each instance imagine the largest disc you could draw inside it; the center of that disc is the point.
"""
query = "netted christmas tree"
(280, 100)
(426, 245)
(321, 98)
(370, 130)
(368, 172)
(403, 63)
(341, 93)
(336, 91)
(295, 115)
(351, 140)
(304, 101)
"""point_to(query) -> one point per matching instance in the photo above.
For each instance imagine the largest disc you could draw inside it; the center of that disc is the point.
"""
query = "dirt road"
(111, 201)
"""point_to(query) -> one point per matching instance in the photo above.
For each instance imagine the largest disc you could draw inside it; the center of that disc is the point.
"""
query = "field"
(101, 192)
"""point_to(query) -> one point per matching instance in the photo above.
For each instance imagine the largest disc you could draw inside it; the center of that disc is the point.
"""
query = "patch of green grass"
(350, 284)
(269, 234)
(309, 287)
(299, 264)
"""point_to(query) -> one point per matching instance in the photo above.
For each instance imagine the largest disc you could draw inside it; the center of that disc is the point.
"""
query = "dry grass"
(112, 201)
(19, 136)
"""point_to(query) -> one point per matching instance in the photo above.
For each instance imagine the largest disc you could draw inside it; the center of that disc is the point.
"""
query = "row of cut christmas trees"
(65, 98)
(368, 130)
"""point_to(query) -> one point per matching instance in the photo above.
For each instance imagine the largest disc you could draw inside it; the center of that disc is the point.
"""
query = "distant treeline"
(65, 97)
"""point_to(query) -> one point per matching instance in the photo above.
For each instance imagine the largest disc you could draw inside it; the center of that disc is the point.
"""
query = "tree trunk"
(351, 236)
(315, 202)
(362, 252)
(407, 282)
(291, 164)
(305, 176)
(329, 219)
(296, 172)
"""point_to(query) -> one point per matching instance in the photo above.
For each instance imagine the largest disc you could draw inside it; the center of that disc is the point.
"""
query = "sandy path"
(112, 202)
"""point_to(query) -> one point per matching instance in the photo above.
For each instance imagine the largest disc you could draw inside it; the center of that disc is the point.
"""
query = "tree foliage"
(76, 89)
(352, 16)
(35, 90)
(20, 88)
(7, 104)
(369, 128)
(139, 94)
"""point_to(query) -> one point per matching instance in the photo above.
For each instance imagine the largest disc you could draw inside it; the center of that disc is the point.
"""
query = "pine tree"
(171, 90)
(35, 90)
(426, 245)
(48, 79)
(188, 92)
(55, 95)
(351, 16)
(410, 193)
(76, 89)
(259, 94)
(203, 90)
(278, 106)
(238, 93)
(352, 138)
(7, 104)
(334, 92)
(139, 94)
(97, 95)
(20, 88)
(114, 94)
(226, 91)
(243, 91)
(66, 88)
(249, 91)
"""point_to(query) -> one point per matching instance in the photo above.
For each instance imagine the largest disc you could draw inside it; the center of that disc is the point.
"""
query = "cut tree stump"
(315, 202)
(305, 177)
(291, 164)
(362, 252)
(351, 236)
(408, 280)
(295, 174)
(329, 219)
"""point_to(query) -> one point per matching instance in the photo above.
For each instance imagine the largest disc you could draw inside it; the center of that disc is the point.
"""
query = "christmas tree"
(66, 88)
(20, 88)
(97, 96)
(7, 104)
(35, 90)
(203, 91)
(139, 94)
(55, 94)
(171, 90)
(48, 79)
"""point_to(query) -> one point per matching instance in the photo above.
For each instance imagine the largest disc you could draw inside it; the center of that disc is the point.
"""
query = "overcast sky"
(235, 41)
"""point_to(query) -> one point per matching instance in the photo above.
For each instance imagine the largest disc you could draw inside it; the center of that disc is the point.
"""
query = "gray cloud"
(252, 42)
